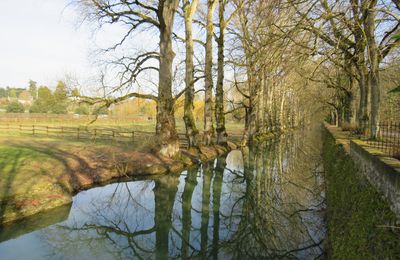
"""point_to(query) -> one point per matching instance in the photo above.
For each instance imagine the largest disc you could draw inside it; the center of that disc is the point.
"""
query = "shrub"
(397, 154)
(82, 110)
(59, 109)
(349, 127)
(15, 107)
(100, 111)
(38, 107)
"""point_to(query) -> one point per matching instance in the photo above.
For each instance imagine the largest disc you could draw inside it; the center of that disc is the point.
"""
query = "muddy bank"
(78, 168)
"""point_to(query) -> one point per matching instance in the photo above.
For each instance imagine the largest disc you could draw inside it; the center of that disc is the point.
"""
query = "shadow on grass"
(11, 161)
(39, 176)
(32, 171)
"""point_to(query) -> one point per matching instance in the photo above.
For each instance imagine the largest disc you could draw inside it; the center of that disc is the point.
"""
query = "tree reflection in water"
(281, 210)
(190, 184)
(267, 203)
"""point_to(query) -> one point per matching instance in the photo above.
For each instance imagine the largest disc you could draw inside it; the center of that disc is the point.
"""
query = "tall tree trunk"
(339, 112)
(219, 97)
(205, 208)
(362, 113)
(352, 98)
(369, 26)
(216, 201)
(260, 105)
(270, 104)
(354, 108)
(336, 117)
(265, 102)
(190, 185)
(208, 102)
(282, 122)
(188, 118)
(165, 127)
(347, 107)
(251, 112)
(358, 9)
(164, 197)
(251, 126)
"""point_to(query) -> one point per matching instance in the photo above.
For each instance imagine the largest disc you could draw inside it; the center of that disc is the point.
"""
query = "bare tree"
(351, 30)
(219, 95)
(136, 14)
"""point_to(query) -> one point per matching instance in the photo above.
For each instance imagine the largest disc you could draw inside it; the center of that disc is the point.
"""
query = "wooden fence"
(92, 133)
(32, 118)
(84, 133)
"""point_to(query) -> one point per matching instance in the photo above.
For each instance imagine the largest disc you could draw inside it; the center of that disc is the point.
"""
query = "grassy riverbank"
(359, 220)
(38, 174)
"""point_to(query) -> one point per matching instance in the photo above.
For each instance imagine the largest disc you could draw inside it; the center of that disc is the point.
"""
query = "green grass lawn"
(30, 175)
(31, 165)
(42, 170)
(22, 170)
(113, 134)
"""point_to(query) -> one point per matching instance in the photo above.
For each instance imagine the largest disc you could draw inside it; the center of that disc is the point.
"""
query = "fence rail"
(79, 133)
(28, 118)
(387, 140)
(95, 133)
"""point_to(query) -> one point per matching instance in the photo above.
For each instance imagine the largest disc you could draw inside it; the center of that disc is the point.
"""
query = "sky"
(43, 41)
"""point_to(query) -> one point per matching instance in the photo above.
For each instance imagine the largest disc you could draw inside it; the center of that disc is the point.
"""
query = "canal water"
(262, 202)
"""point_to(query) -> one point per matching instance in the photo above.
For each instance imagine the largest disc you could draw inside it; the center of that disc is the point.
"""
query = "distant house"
(25, 98)
(3, 101)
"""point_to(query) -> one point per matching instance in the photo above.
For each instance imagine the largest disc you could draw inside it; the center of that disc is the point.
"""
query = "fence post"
(78, 132)
(393, 139)
(95, 133)
(397, 152)
(389, 140)
(113, 135)
(381, 133)
(133, 136)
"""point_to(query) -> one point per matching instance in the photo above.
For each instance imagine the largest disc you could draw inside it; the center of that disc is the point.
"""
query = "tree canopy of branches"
(279, 63)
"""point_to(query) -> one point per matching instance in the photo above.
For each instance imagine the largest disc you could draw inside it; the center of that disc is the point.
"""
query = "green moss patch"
(360, 223)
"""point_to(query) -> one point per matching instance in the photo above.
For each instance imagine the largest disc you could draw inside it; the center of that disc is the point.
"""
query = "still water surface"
(264, 202)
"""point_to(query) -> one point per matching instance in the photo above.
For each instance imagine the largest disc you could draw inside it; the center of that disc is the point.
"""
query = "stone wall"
(359, 219)
(382, 172)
